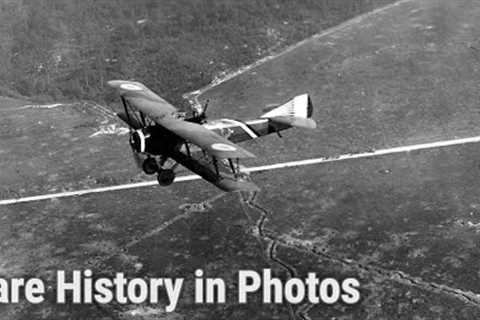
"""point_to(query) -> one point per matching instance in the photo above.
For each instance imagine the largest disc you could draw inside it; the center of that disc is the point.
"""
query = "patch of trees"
(68, 49)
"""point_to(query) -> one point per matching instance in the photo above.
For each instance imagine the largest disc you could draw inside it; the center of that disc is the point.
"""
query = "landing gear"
(165, 177)
(150, 166)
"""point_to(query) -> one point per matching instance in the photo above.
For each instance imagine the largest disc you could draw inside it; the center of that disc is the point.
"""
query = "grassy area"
(68, 49)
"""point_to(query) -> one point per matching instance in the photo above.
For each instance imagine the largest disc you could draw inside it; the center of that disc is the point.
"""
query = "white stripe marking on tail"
(297, 107)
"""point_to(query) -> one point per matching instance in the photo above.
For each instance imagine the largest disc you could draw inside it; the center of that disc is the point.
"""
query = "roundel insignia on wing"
(130, 87)
(223, 147)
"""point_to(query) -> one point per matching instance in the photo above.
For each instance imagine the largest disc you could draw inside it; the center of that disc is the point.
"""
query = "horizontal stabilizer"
(306, 123)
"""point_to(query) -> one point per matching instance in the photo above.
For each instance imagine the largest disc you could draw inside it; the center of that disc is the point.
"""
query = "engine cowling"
(153, 140)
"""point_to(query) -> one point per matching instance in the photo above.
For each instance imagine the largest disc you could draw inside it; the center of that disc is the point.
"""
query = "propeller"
(133, 125)
(137, 157)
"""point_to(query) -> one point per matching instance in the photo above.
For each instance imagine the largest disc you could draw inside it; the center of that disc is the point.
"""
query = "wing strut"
(144, 121)
(230, 162)
(124, 102)
(215, 164)
(187, 148)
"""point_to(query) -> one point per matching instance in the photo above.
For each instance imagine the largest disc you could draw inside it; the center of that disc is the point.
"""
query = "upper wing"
(162, 112)
(209, 141)
(142, 98)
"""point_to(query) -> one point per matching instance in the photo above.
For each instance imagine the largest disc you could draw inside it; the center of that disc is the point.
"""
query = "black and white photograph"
(239, 159)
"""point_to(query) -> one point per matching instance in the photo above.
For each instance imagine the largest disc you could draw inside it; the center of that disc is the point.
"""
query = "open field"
(53, 149)
(406, 225)
(68, 50)
(407, 75)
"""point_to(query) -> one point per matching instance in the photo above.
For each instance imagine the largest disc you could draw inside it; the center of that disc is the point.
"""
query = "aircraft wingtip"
(114, 83)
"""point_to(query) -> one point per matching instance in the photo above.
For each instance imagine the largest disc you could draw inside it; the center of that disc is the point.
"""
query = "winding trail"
(398, 276)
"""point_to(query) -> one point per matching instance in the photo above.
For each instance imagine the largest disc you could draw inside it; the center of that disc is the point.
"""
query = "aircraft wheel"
(150, 166)
(165, 177)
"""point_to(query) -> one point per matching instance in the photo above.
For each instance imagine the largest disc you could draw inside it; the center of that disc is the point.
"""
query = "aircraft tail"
(296, 113)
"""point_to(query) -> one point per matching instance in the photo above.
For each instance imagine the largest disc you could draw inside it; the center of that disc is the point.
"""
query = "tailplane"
(296, 113)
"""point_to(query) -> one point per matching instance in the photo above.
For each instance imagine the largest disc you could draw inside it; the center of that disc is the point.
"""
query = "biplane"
(162, 137)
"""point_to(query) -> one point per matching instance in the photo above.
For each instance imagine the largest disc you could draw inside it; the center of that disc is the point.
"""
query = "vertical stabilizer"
(296, 113)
